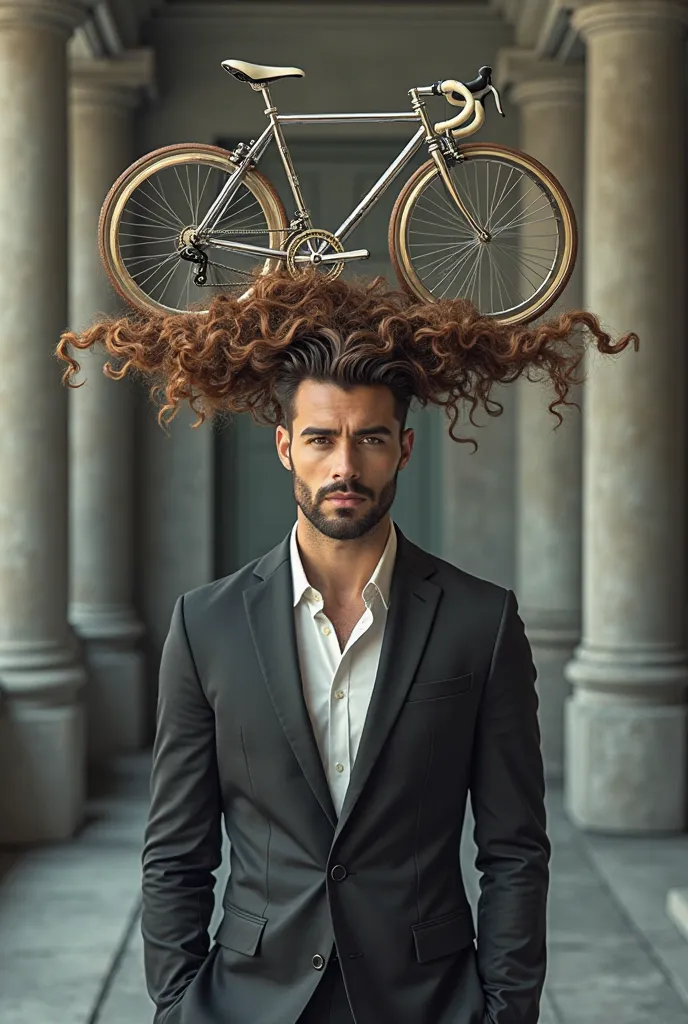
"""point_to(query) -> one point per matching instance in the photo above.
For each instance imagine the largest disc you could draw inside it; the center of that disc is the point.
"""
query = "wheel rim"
(155, 212)
(519, 271)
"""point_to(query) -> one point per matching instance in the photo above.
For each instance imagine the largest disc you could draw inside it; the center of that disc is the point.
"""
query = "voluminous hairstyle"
(250, 355)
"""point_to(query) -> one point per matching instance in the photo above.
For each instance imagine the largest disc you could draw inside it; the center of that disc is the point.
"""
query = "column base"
(115, 701)
(116, 694)
(625, 764)
(42, 772)
(42, 741)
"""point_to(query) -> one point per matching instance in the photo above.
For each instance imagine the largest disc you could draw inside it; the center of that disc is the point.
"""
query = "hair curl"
(250, 355)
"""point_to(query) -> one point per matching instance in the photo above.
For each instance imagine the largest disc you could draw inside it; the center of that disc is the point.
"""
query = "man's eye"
(373, 439)
(314, 440)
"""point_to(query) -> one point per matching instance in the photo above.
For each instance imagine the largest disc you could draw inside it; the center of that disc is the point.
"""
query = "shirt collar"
(379, 583)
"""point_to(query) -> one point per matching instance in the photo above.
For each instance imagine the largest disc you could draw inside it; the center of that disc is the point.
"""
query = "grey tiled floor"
(70, 949)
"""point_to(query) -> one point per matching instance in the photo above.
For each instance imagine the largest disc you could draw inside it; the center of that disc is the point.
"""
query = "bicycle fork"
(437, 154)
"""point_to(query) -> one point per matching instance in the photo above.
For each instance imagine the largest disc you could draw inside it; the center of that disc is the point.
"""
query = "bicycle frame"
(254, 152)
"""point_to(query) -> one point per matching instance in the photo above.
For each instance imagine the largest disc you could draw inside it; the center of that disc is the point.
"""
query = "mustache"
(351, 488)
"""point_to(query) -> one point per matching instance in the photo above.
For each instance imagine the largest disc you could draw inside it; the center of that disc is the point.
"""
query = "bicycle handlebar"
(457, 94)
(467, 95)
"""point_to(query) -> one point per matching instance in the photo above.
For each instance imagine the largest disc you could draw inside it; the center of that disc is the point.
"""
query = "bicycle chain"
(255, 231)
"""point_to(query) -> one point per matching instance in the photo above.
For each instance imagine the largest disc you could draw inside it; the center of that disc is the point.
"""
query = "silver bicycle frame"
(274, 131)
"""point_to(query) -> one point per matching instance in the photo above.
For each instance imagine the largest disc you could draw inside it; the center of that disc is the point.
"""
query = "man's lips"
(345, 499)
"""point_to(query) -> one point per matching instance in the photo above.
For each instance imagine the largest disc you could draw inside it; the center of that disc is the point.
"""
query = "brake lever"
(498, 102)
(485, 92)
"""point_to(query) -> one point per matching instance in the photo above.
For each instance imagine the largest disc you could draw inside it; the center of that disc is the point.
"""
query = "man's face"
(344, 452)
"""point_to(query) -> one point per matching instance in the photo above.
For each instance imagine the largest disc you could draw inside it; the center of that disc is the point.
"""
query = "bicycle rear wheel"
(151, 212)
(523, 266)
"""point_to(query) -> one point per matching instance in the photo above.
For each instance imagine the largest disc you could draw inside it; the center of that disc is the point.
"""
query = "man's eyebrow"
(330, 432)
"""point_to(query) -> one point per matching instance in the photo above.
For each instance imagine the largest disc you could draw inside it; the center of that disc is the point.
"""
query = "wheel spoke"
(516, 285)
(150, 274)
(528, 253)
(505, 194)
(441, 202)
(154, 241)
(187, 195)
(168, 277)
(202, 193)
(523, 267)
(156, 219)
(519, 217)
(164, 204)
(455, 253)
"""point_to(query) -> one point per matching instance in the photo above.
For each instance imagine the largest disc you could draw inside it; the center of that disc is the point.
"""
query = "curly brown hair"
(250, 355)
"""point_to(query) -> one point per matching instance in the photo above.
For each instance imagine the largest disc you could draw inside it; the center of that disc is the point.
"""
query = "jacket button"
(318, 962)
(338, 873)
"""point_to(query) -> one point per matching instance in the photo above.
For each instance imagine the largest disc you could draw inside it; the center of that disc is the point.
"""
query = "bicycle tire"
(276, 222)
(427, 175)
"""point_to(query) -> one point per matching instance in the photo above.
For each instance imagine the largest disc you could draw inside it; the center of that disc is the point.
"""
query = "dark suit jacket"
(454, 710)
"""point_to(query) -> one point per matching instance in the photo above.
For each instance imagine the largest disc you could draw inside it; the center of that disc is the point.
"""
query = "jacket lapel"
(413, 605)
(269, 607)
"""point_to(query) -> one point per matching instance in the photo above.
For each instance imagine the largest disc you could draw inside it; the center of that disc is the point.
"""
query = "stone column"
(626, 719)
(41, 679)
(104, 95)
(550, 97)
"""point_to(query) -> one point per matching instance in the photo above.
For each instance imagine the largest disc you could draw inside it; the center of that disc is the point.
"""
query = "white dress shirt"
(337, 685)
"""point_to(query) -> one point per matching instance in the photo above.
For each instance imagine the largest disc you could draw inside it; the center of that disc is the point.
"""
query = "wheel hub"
(188, 237)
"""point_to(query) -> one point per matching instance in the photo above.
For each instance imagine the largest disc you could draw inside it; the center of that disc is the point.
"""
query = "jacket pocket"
(443, 936)
(440, 688)
(240, 930)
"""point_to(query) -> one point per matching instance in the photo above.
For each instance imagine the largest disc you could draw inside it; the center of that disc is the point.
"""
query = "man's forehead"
(335, 403)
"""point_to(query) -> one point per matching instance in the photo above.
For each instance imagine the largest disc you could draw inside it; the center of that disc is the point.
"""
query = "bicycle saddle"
(259, 73)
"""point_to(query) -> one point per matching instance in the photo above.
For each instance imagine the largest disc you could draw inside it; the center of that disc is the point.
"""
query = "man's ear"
(407, 439)
(283, 442)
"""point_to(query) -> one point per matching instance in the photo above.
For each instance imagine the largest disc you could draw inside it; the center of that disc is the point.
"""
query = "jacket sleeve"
(182, 842)
(507, 796)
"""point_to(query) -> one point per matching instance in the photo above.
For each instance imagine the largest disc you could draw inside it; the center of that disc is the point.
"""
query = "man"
(336, 702)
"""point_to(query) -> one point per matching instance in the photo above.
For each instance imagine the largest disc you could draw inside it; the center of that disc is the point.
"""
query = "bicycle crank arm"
(336, 257)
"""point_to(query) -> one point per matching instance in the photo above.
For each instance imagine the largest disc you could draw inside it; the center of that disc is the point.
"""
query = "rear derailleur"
(190, 251)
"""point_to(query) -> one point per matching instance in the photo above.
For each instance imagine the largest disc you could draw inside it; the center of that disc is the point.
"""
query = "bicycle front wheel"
(151, 213)
(520, 266)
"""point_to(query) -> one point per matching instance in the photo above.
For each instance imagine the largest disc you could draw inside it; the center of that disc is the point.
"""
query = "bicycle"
(479, 221)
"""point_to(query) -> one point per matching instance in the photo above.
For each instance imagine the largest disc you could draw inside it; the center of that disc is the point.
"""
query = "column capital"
(531, 78)
(592, 17)
(120, 81)
(59, 15)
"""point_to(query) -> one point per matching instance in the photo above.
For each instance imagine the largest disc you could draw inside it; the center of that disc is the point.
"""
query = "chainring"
(310, 243)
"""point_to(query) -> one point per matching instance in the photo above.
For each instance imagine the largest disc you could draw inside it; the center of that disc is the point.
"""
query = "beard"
(344, 524)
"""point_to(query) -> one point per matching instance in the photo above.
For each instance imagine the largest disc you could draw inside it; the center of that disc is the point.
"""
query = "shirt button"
(339, 767)
(318, 962)
(338, 873)
(339, 694)
(326, 630)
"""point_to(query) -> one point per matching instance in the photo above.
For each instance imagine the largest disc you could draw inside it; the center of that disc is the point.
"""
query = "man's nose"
(345, 463)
